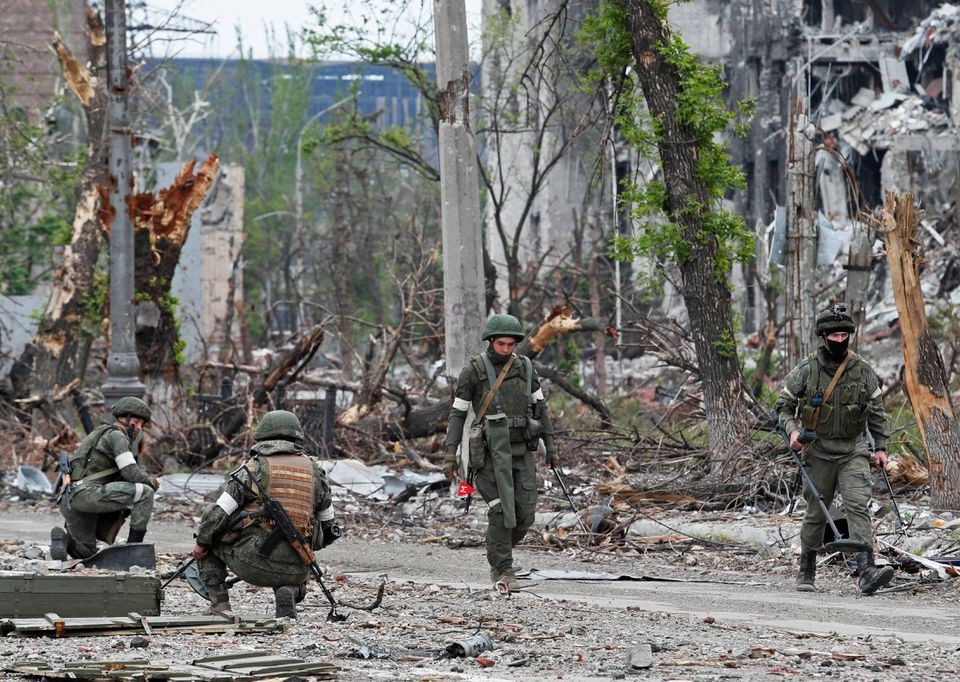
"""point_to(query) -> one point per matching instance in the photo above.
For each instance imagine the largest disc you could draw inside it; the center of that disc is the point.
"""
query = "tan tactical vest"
(290, 481)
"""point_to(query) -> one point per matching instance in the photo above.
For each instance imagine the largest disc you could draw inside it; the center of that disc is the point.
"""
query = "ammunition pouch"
(532, 431)
(477, 445)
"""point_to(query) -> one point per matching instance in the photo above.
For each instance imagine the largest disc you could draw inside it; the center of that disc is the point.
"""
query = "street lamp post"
(123, 366)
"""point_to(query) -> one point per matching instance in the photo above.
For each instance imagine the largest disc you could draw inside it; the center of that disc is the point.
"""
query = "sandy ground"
(702, 621)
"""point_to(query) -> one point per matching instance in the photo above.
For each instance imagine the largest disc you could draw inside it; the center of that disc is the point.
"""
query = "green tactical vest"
(843, 417)
(515, 397)
(81, 462)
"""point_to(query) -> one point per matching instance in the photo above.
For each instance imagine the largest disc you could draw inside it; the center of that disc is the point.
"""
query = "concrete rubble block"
(864, 97)
(832, 122)
(640, 657)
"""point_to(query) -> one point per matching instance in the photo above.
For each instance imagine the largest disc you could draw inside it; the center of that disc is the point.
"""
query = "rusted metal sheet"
(70, 596)
(238, 665)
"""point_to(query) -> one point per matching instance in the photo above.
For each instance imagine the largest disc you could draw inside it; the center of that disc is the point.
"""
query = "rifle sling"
(829, 391)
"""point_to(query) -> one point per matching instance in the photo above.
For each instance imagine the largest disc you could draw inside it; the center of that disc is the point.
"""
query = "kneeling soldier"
(107, 486)
(233, 531)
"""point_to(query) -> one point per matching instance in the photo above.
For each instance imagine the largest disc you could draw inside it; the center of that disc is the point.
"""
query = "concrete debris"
(190, 485)
(640, 657)
(942, 26)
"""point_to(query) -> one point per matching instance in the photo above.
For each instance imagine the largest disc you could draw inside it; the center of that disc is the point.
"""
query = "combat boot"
(219, 600)
(286, 596)
(872, 577)
(136, 535)
(808, 571)
(504, 581)
(59, 543)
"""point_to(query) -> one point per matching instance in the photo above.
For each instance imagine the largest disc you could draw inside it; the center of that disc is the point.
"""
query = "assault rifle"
(284, 528)
(64, 484)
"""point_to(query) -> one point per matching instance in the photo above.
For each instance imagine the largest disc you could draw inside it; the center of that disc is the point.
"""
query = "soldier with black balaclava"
(828, 418)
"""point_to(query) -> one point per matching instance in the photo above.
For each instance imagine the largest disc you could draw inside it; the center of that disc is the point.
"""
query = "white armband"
(461, 404)
(124, 459)
(537, 395)
(326, 514)
(876, 393)
(227, 503)
(138, 492)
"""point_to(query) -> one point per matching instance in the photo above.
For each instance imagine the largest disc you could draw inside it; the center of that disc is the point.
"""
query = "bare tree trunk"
(801, 250)
(57, 341)
(600, 361)
(924, 375)
(707, 297)
(858, 272)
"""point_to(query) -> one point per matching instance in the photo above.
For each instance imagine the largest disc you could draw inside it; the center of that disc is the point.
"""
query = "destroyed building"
(877, 80)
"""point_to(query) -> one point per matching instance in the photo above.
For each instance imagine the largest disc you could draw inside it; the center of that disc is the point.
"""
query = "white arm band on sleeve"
(326, 514)
(138, 492)
(124, 459)
(461, 404)
(227, 503)
(537, 395)
(876, 393)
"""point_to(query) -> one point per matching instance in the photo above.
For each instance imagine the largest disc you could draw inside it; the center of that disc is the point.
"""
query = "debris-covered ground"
(716, 606)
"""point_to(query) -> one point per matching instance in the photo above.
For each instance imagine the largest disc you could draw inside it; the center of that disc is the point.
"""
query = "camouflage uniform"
(507, 523)
(235, 543)
(96, 505)
(838, 459)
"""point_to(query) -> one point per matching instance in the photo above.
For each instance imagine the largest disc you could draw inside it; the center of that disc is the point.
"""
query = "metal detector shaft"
(178, 572)
(896, 508)
(566, 493)
(838, 544)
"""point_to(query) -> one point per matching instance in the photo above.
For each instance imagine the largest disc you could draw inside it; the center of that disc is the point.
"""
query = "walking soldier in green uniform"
(828, 417)
(107, 484)
(505, 393)
(233, 531)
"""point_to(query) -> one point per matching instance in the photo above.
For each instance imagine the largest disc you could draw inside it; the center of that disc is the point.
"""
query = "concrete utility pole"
(801, 251)
(464, 305)
(123, 366)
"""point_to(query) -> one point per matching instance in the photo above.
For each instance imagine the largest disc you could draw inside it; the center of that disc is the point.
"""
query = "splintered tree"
(56, 345)
(924, 375)
(681, 218)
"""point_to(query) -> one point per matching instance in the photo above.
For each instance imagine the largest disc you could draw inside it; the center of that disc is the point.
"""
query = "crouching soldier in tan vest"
(232, 533)
(107, 486)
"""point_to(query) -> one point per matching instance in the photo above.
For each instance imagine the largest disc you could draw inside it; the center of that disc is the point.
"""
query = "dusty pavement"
(734, 625)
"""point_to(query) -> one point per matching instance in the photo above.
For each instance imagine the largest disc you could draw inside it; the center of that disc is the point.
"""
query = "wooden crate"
(69, 596)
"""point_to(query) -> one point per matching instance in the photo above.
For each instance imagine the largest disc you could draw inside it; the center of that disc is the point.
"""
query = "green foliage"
(37, 179)
(702, 114)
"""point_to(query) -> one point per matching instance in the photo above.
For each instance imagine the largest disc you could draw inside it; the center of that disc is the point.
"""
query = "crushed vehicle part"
(78, 596)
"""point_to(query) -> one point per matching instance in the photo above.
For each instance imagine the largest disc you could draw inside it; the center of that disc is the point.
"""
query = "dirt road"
(709, 624)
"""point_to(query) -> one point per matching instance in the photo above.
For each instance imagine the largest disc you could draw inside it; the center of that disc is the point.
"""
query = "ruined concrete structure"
(879, 83)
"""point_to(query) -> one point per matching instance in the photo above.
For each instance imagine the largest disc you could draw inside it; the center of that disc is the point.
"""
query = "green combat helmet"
(131, 407)
(279, 425)
(503, 325)
(835, 319)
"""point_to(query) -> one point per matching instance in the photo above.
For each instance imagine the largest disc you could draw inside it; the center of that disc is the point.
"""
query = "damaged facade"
(876, 80)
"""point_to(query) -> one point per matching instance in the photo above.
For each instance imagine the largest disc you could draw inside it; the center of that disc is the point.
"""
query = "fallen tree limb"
(561, 321)
(591, 401)
(291, 364)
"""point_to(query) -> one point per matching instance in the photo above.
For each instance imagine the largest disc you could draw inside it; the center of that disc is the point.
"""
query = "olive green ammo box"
(77, 596)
